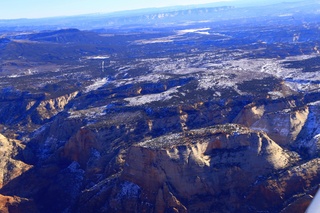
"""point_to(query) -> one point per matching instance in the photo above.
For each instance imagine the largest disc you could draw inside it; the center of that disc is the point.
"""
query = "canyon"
(214, 115)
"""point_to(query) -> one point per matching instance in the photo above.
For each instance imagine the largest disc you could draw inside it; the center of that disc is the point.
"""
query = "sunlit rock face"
(309, 137)
(287, 124)
(49, 108)
(217, 163)
(16, 204)
(10, 166)
(282, 122)
(30, 109)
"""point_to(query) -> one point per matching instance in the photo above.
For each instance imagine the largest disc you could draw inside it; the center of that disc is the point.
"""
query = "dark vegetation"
(307, 65)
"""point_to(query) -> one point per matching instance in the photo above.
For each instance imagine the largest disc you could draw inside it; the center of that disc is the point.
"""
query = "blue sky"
(12, 9)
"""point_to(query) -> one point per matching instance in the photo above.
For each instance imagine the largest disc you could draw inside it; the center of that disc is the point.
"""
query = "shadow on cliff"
(52, 187)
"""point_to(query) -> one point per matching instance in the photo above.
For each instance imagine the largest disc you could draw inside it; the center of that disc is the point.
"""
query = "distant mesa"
(66, 36)
(4, 41)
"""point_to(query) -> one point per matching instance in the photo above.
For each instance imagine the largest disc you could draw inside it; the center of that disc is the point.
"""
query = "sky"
(14, 9)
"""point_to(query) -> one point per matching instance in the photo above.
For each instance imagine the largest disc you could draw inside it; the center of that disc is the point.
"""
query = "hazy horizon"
(19, 9)
(31, 9)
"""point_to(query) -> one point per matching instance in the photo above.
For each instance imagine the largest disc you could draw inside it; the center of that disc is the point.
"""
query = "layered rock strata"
(204, 170)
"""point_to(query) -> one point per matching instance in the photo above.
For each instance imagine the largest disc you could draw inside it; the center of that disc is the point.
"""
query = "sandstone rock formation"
(10, 165)
(15, 204)
(80, 147)
(219, 163)
(281, 121)
(271, 193)
(299, 205)
(48, 108)
(308, 139)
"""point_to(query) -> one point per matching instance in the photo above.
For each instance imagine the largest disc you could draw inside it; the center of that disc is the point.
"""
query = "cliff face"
(15, 204)
(94, 158)
(290, 185)
(309, 137)
(28, 112)
(10, 165)
(48, 108)
(173, 172)
(281, 121)
(81, 147)
(286, 123)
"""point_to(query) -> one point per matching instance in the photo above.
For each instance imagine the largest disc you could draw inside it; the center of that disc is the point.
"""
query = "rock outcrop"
(281, 121)
(309, 137)
(272, 193)
(299, 205)
(48, 108)
(10, 165)
(81, 146)
(16, 204)
(173, 172)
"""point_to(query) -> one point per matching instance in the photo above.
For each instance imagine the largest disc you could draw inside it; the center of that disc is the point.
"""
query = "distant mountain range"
(164, 16)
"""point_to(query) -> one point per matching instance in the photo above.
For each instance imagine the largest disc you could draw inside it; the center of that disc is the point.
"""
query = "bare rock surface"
(16, 205)
(214, 163)
(274, 191)
(10, 166)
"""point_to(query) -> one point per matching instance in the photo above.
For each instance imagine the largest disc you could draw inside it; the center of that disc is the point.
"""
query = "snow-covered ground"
(96, 84)
(179, 35)
(145, 99)
(88, 113)
(97, 57)
(294, 78)
(199, 30)
(156, 40)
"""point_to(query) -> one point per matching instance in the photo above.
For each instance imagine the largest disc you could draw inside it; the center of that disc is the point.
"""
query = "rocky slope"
(218, 116)
(281, 121)
(291, 186)
(215, 164)
(11, 164)
(16, 205)
(94, 158)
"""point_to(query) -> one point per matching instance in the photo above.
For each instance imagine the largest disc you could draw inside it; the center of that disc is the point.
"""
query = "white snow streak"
(96, 85)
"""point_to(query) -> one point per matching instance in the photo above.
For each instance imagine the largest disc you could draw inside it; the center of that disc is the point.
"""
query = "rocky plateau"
(218, 114)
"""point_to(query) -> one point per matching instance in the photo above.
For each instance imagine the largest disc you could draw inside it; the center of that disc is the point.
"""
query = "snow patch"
(91, 113)
(203, 33)
(154, 78)
(14, 76)
(74, 166)
(40, 130)
(96, 84)
(145, 99)
(155, 41)
(98, 57)
(199, 30)
(276, 95)
(285, 15)
(128, 190)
